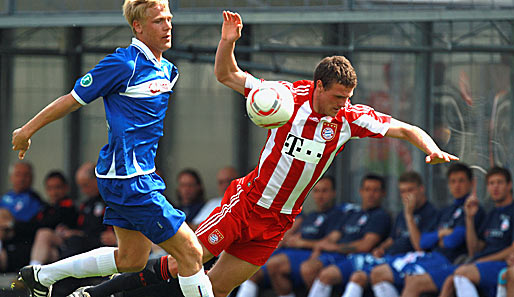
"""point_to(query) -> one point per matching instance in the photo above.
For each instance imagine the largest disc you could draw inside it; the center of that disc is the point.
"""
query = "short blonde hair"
(136, 9)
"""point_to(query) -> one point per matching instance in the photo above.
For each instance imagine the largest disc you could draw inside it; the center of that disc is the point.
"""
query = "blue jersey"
(357, 222)
(497, 230)
(23, 206)
(136, 88)
(316, 225)
(451, 217)
(426, 220)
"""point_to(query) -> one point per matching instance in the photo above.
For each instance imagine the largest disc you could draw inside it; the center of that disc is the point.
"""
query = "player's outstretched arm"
(53, 111)
(421, 140)
(225, 65)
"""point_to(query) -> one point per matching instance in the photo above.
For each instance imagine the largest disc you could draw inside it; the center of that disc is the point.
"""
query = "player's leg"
(448, 289)
(356, 285)
(131, 254)
(309, 270)
(229, 265)
(465, 278)
(279, 270)
(185, 248)
(382, 280)
(417, 284)
(44, 247)
(510, 281)
(327, 278)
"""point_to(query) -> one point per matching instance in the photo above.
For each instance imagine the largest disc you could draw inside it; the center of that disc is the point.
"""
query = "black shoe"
(28, 275)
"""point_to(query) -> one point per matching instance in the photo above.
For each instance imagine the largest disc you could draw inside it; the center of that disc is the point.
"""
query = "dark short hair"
(499, 170)
(460, 167)
(373, 176)
(56, 174)
(411, 177)
(331, 179)
(335, 69)
(192, 172)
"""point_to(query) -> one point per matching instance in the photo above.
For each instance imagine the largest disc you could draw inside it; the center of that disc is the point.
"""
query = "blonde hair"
(136, 9)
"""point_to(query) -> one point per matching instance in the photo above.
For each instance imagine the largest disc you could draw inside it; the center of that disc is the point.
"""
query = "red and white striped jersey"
(297, 154)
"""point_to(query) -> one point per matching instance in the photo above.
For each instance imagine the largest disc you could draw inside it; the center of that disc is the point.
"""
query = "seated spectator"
(418, 215)
(59, 214)
(6, 233)
(24, 204)
(358, 231)
(190, 193)
(298, 242)
(223, 178)
(491, 245)
(425, 272)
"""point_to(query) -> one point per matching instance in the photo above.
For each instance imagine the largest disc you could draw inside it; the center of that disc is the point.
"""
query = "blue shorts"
(434, 264)
(356, 262)
(489, 276)
(400, 264)
(296, 258)
(137, 204)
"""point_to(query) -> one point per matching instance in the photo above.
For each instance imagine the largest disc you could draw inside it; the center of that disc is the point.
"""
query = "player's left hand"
(440, 157)
(20, 143)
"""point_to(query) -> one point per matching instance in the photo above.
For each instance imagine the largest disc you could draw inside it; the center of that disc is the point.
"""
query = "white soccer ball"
(270, 105)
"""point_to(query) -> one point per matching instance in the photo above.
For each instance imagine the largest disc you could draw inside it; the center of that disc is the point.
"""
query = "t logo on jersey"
(303, 149)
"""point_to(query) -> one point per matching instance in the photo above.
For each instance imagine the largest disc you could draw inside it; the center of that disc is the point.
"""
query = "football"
(270, 105)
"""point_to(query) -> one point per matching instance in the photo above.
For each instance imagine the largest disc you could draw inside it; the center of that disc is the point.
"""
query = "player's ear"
(319, 85)
(138, 28)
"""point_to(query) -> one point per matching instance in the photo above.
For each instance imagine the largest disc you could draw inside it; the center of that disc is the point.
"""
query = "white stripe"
(268, 148)
(124, 176)
(135, 163)
(284, 164)
(372, 124)
(225, 209)
(149, 89)
(77, 97)
(133, 71)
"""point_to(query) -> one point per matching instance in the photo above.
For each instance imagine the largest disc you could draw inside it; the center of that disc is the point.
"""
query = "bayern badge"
(328, 131)
(215, 237)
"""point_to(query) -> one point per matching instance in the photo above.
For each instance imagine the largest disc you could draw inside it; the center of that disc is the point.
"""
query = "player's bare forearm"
(53, 111)
(472, 241)
(421, 140)
(225, 65)
(499, 256)
(414, 233)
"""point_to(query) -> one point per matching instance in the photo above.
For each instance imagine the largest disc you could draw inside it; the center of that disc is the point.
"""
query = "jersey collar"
(146, 51)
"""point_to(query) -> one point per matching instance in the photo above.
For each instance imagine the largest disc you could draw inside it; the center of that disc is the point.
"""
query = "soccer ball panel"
(270, 105)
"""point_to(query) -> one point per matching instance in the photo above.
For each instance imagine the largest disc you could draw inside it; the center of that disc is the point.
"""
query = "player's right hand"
(232, 26)
(20, 143)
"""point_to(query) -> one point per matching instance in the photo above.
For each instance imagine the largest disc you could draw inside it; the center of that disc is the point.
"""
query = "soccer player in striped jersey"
(136, 83)
(259, 208)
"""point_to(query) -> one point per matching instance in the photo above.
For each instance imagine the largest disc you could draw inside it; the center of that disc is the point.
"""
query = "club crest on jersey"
(328, 131)
(87, 80)
(505, 224)
(159, 86)
(215, 237)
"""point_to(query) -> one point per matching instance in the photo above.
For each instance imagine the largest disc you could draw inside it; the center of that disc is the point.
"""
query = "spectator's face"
(224, 178)
(371, 193)
(56, 189)
(88, 186)
(188, 189)
(412, 189)
(21, 178)
(498, 188)
(323, 194)
(459, 184)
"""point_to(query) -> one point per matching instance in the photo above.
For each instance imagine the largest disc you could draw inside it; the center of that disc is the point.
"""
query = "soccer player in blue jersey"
(359, 231)
(493, 242)
(135, 83)
(426, 272)
(418, 216)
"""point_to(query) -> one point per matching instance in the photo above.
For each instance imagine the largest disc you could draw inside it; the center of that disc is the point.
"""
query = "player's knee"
(278, 265)
(360, 278)
(381, 273)
(509, 275)
(465, 270)
(309, 270)
(330, 275)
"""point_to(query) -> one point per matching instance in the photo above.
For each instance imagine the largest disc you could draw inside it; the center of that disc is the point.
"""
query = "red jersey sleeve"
(364, 121)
